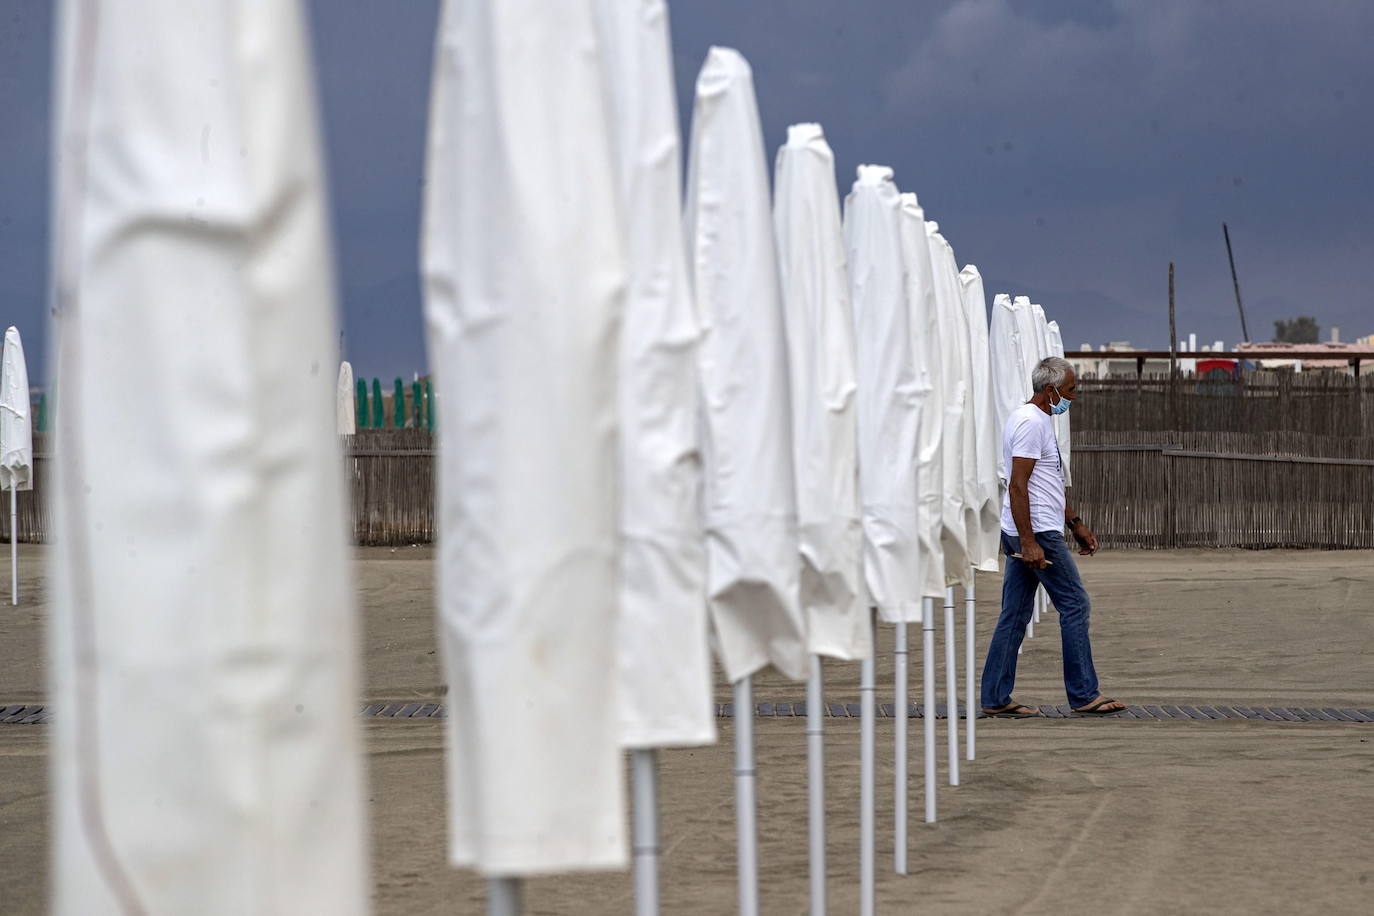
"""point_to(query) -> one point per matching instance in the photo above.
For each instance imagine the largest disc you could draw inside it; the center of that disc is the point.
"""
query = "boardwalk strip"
(37, 714)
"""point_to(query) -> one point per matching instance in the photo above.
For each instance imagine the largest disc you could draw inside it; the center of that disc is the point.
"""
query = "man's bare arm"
(1018, 491)
(1087, 541)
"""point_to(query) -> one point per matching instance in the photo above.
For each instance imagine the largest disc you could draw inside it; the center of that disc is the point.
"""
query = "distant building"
(1271, 355)
(1088, 361)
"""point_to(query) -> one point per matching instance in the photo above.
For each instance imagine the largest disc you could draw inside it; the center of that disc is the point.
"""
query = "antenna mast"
(1235, 282)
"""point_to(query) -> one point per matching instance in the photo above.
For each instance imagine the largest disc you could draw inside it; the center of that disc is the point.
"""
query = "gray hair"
(1052, 370)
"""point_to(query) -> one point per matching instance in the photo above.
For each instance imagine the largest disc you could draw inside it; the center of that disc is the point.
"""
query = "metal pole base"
(928, 704)
(746, 812)
(970, 688)
(951, 689)
(899, 815)
(815, 783)
(505, 897)
(644, 772)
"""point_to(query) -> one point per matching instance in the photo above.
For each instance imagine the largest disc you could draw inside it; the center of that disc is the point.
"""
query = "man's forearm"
(1020, 511)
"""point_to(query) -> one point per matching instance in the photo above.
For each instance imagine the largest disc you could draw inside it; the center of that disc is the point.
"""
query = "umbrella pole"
(928, 701)
(644, 764)
(899, 731)
(969, 687)
(746, 814)
(815, 778)
(505, 897)
(867, 850)
(14, 545)
(951, 689)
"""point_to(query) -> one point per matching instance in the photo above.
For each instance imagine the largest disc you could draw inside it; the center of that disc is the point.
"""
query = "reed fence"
(1271, 459)
(1267, 459)
(1313, 403)
(390, 474)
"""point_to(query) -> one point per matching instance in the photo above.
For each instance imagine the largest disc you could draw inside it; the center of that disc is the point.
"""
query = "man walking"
(1034, 513)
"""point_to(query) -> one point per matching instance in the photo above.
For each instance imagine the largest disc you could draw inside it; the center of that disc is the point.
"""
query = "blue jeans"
(1018, 604)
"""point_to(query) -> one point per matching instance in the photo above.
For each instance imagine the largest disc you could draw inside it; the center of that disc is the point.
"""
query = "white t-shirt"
(1030, 434)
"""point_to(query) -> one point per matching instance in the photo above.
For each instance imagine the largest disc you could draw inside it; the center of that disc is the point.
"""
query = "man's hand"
(1032, 554)
(1087, 541)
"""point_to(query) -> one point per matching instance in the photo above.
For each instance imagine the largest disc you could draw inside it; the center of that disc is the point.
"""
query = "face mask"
(1061, 407)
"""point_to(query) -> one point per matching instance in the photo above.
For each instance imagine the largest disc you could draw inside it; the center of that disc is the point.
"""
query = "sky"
(1069, 148)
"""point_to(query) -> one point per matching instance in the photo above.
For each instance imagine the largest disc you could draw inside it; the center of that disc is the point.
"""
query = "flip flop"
(1097, 710)
(1014, 711)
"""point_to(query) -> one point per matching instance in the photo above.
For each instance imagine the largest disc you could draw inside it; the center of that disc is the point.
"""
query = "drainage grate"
(34, 714)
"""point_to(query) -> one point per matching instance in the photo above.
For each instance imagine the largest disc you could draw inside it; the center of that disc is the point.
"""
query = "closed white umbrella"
(891, 401)
(750, 497)
(956, 436)
(1042, 333)
(890, 397)
(987, 437)
(1010, 374)
(988, 443)
(958, 462)
(1042, 350)
(664, 659)
(821, 351)
(346, 411)
(16, 441)
(525, 271)
(206, 758)
(929, 362)
(1017, 344)
(1061, 422)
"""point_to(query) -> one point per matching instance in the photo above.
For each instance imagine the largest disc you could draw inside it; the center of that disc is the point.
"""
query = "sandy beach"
(1055, 816)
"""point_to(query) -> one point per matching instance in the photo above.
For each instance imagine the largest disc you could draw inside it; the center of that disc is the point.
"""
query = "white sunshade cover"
(1042, 334)
(820, 336)
(664, 655)
(924, 318)
(1016, 350)
(16, 424)
(1010, 375)
(890, 396)
(525, 273)
(746, 421)
(1061, 422)
(202, 644)
(346, 411)
(987, 438)
(957, 462)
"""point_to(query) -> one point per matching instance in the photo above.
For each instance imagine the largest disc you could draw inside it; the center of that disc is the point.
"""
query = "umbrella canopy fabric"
(956, 434)
(1061, 422)
(1042, 334)
(820, 337)
(346, 414)
(16, 424)
(924, 318)
(987, 437)
(746, 421)
(664, 655)
(891, 399)
(1010, 374)
(524, 262)
(202, 644)
(1016, 352)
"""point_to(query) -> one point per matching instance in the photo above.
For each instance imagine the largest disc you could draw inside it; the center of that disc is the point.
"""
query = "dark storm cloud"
(1070, 149)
